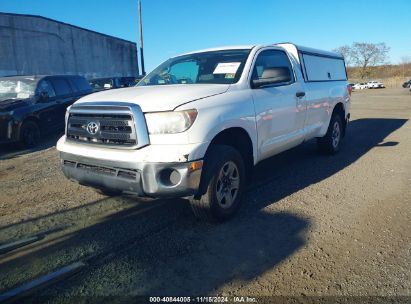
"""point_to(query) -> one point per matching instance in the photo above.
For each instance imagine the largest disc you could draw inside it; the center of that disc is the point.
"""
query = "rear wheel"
(223, 180)
(29, 134)
(330, 143)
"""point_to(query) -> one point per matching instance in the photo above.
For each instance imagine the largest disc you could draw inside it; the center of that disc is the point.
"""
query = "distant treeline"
(382, 72)
(393, 76)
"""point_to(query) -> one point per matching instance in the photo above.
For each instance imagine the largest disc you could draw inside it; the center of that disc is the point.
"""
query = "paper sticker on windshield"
(227, 68)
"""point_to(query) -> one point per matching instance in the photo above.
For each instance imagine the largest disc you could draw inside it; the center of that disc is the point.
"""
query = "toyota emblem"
(92, 128)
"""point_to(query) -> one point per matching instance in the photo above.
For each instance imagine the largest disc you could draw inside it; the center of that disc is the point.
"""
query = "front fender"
(234, 109)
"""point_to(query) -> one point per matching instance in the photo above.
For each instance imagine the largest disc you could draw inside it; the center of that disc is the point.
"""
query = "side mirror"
(272, 76)
(44, 96)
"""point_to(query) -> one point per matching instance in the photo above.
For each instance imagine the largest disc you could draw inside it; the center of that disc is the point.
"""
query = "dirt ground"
(309, 225)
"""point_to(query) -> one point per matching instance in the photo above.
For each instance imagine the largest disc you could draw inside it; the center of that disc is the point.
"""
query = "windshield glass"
(219, 67)
(101, 83)
(17, 88)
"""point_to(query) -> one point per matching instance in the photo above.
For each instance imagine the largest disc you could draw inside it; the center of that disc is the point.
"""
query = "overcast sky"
(172, 27)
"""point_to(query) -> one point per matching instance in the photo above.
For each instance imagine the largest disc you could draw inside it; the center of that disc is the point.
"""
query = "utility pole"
(140, 26)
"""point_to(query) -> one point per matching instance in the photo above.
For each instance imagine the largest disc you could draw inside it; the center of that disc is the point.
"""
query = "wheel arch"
(26, 119)
(340, 109)
(239, 139)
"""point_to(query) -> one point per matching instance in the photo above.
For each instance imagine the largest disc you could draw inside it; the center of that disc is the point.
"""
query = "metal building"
(38, 45)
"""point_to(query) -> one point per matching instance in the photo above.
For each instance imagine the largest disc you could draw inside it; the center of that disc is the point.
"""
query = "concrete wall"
(37, 45)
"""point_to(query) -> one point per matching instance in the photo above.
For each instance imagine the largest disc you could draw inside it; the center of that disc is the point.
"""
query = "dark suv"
(31, 106)
(407, 84)
(100, 84)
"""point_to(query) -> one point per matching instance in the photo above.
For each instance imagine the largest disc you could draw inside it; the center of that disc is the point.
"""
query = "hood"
(13, 104)
(158, 98)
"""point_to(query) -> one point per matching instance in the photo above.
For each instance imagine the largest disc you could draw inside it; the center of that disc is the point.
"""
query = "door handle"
(300, 94)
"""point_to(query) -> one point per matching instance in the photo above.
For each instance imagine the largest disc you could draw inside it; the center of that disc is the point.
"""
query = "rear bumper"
(141, 178)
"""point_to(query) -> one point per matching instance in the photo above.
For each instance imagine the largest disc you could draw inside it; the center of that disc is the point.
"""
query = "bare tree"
(366, 55)
(344, 51)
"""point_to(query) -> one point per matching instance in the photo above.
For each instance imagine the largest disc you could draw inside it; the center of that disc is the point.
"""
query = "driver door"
(280, 107)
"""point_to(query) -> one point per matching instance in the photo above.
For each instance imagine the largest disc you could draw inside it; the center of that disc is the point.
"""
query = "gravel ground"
(310, 224)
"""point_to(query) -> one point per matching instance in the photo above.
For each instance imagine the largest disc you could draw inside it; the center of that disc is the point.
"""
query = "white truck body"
(360, 86)
(274, 118)
(375, 85)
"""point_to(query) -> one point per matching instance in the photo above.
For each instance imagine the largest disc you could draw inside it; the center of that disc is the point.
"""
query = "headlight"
(67, 112)
(170, 122)
(66, 118)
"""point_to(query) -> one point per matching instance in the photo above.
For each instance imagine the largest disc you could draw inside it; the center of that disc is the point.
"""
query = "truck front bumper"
(179, 179)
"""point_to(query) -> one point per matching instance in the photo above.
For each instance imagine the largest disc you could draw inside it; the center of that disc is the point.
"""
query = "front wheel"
(223, 180)
(29, 134)
(330, 143)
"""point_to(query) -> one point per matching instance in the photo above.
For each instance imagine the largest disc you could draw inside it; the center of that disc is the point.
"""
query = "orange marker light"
(196, 165)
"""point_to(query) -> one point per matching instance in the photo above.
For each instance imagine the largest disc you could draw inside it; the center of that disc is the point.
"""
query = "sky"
(172, 27)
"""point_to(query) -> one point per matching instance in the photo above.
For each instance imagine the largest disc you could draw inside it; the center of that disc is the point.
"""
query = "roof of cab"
(286, 45)
(221, 48)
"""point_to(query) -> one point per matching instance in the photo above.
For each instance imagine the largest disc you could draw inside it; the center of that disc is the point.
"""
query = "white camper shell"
(317, 65)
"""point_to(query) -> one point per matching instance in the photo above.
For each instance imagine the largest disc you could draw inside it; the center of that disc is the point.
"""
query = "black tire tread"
(28, 124)
(325, 143)
(202, 206)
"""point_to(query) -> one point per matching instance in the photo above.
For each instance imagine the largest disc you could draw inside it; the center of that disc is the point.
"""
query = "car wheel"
(29, 134)
(331, 142)
(223, 181)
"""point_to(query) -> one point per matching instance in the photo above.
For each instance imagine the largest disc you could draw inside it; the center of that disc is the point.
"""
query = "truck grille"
(111, 129)
(107, 124)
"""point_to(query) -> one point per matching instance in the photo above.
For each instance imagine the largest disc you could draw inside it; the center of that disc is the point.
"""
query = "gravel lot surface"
(309, 225)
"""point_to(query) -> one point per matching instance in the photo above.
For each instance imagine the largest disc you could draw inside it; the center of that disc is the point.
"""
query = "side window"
(269, 59)
(44, 86)
(73, 85)
(82, 84)
(79, 84)
(61, 86)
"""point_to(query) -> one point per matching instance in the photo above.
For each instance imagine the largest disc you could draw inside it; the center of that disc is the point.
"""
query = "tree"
(366, 55)
(344, 51)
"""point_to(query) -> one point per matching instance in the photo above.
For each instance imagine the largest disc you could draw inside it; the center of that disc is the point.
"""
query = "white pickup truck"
(196, 125)
(375, 85)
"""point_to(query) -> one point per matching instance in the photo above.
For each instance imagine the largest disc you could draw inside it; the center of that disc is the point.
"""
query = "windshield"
(17, 88)
(219, 67)
(101, 83)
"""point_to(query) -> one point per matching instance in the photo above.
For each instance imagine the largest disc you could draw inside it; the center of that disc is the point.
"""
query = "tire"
(222, 182)
(29, 134)
(331, 142)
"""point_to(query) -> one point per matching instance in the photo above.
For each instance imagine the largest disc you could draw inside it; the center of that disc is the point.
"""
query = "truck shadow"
(165, 251)
(298, 168)
(9, 151)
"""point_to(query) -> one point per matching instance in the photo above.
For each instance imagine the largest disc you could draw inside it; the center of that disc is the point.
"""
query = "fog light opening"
(169, 177)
